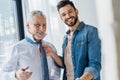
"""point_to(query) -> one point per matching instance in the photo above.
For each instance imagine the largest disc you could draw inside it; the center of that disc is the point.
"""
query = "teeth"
(70, 19)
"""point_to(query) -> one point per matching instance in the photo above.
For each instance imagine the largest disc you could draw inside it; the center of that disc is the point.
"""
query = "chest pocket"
(80, 43)
(80, 40)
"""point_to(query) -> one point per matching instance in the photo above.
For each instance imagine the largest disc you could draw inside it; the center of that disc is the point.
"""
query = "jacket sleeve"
(94, 53)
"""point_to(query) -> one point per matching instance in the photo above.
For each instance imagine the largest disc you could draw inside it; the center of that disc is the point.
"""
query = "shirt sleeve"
(9, 66)
(8, 75)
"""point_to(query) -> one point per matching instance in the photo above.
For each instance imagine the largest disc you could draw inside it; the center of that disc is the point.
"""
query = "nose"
(67, 15)
(42, 28)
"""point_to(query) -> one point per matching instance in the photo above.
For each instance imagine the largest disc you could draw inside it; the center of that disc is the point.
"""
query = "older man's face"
(37, 26)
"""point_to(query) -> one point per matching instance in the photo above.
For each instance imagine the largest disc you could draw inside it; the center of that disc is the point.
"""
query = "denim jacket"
(86, 51)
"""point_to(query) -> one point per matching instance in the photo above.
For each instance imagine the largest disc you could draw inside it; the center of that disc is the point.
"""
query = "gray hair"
(35, 12)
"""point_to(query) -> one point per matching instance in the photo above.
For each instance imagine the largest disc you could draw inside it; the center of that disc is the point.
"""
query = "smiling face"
(37, 26)
(69, 15)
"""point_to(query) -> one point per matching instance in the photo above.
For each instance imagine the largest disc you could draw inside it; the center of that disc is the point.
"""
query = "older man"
(25, 60)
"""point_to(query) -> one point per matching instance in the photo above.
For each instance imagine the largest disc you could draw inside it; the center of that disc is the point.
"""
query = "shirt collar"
(30, 39)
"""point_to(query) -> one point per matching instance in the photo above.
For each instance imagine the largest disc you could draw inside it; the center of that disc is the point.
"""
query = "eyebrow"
(67, 11)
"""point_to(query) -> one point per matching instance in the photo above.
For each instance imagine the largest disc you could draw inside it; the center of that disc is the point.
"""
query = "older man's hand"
(22, 74)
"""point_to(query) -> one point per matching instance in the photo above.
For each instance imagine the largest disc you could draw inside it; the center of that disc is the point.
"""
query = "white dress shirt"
(24, 54)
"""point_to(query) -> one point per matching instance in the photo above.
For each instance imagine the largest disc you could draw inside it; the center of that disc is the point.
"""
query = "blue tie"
(45, 73)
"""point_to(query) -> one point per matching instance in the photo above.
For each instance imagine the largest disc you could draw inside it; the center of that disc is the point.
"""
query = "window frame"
(20, 19)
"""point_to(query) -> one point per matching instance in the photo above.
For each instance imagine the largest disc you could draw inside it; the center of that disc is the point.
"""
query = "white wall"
(87, 11)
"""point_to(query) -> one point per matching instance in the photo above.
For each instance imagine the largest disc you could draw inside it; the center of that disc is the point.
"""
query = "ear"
(27, 25)
(77, 11)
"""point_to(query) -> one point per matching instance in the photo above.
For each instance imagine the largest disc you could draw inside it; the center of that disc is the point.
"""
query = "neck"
(73, 28)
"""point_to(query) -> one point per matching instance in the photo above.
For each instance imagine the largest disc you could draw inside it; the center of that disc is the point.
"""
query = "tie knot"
(40, 43)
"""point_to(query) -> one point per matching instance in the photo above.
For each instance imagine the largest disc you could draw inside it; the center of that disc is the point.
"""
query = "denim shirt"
(86, 51)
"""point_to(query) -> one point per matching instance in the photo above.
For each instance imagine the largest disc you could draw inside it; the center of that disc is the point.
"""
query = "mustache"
(41, 37)
(40, 32)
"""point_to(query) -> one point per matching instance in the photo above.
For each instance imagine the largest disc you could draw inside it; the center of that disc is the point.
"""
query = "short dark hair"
(63, 3)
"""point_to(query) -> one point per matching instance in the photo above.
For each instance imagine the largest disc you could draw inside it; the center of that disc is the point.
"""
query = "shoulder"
(19, 46)
(90, 27)
(47, 43)
(86, 28)
(19, 43)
